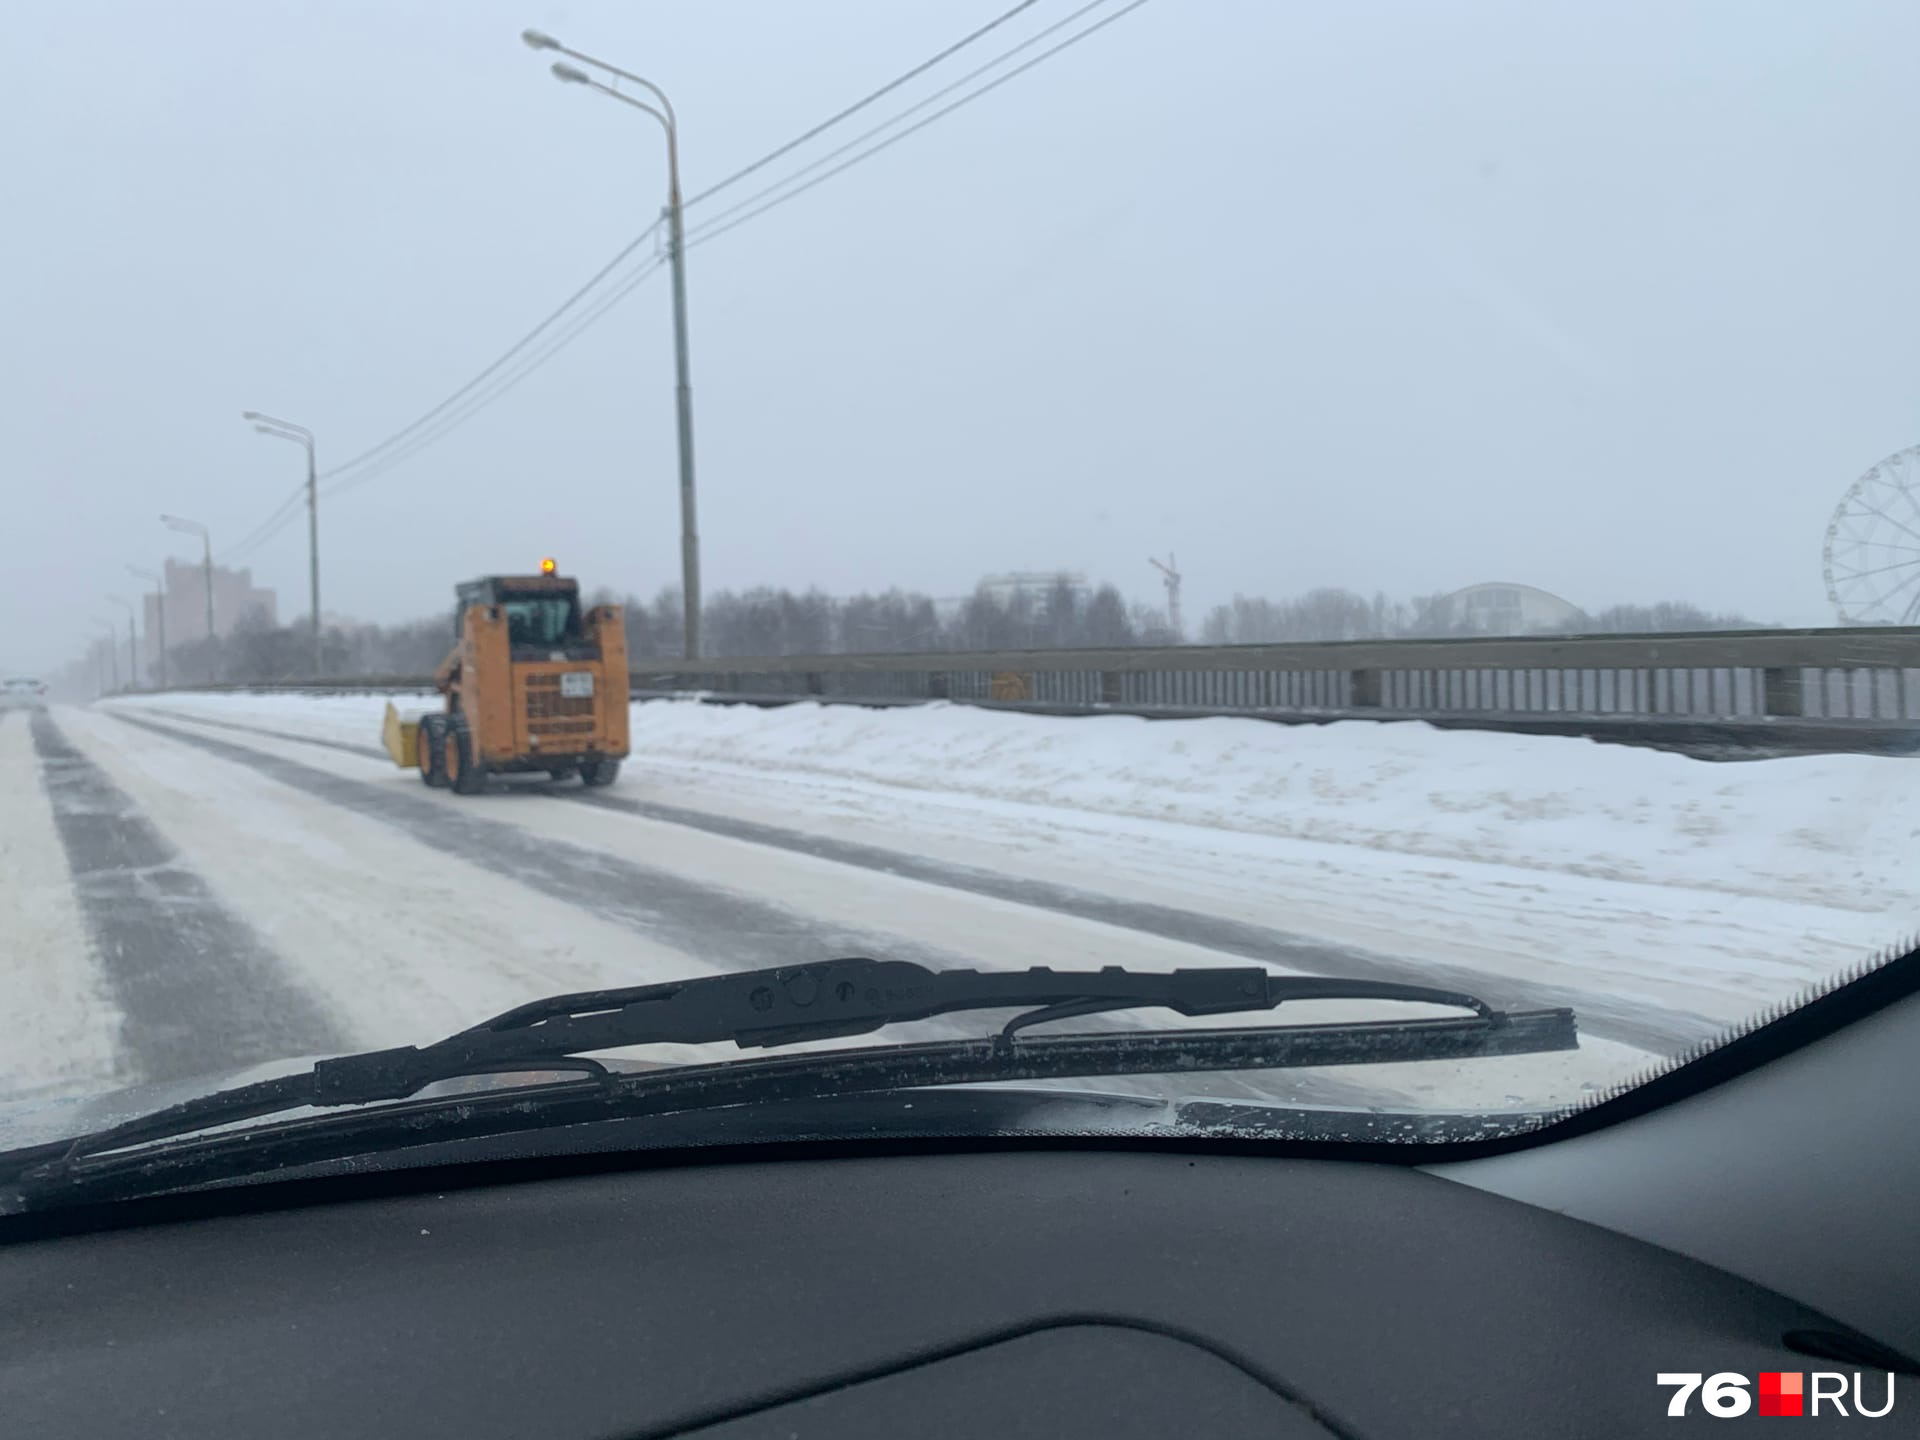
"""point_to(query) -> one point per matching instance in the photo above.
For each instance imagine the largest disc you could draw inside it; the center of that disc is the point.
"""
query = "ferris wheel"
(1872, 551)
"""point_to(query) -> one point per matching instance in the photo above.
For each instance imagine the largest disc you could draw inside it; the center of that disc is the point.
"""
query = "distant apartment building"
(235, 597)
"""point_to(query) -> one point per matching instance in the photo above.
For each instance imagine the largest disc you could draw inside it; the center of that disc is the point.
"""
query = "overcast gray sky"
(1614, 300)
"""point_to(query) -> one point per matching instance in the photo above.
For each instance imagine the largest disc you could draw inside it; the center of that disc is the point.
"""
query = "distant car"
(22, 692)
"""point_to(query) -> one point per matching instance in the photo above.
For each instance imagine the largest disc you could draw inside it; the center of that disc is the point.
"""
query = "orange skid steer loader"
(531, 685)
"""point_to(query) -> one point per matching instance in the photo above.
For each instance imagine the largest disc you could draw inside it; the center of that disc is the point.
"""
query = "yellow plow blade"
(403, 739)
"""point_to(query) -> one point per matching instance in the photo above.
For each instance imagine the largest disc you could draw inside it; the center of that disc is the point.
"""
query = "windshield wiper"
(788, 1005)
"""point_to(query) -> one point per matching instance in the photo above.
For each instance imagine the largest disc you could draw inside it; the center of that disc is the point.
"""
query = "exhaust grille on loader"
(546, 703)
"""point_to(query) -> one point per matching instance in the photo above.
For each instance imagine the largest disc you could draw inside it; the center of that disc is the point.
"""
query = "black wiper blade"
(790, 1004)
(845, 1076)
(780, 1006)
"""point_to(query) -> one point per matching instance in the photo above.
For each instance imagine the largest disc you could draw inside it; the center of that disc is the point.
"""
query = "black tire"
(430, 746)
(465, 774)
(599, 772)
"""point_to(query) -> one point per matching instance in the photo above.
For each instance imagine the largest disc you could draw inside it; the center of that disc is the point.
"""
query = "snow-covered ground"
(1636, 885)
(50, 982)
(1713, 888)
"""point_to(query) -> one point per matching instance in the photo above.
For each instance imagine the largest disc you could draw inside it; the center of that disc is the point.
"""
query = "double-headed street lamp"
(677, 253)
(287, 430)
(194, 527)
(159, 618)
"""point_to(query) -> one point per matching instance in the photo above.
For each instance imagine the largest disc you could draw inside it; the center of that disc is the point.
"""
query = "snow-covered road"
(195, 881)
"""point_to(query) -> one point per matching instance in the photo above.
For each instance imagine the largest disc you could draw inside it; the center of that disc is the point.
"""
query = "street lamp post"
(194, 527)
(133, 643)
(159, 616)
(287, 430)
(677, 254)
(113, 648)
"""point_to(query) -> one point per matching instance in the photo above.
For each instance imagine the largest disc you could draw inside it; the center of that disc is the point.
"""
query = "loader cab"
(542, 612)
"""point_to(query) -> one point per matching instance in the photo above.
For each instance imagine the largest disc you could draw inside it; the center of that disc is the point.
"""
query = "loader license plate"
(577, 684)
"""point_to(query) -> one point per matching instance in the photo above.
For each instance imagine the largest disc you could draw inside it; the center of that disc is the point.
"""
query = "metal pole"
(160, 613)
(158, 624)
(287, 430)
(313, 550)
(213, 665)
(683, 404)
(194, 527)
(677, 255)
(133, 642)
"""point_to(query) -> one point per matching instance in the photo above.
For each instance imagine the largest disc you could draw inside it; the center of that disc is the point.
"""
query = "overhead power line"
(859, 105)
(512, 350)
(713, 227)
(266, 529)
(497, 378)
(501, 383)
(403, 433)
(450, 413)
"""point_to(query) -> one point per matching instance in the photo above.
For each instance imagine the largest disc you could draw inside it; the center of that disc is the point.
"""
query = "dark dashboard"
(1055, 1292)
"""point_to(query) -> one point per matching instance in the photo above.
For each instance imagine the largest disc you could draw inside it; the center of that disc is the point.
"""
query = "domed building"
(1501, 608)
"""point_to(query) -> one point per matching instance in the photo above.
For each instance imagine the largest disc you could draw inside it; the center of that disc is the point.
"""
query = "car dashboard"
(1104, 1292)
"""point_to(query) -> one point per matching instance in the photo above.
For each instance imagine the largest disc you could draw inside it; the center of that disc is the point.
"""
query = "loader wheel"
(599, 772)
(430, 750)
(465, 773)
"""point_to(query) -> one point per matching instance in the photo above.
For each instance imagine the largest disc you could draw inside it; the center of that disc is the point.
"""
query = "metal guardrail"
(1827, 689)
(1846, 674)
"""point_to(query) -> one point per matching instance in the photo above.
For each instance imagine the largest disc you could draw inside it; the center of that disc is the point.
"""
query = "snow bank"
(1837, 831)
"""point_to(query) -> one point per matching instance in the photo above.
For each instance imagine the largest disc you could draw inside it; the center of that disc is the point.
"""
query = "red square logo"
(1782, 1392)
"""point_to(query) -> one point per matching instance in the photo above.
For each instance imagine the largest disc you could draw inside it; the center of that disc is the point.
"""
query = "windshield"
(541, 619)
(1413, 496)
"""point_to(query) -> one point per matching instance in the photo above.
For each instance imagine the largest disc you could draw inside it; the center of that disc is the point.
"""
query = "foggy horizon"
(1290, 292)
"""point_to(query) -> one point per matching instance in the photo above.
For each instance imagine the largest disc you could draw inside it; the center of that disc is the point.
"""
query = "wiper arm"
(788, 1005)
(780, 1006)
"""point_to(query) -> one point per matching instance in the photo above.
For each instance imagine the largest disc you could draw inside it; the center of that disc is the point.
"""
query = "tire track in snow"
(1604, 1016)
(66, 1033)
(724, 928)
(365, 752)
(200, 991)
